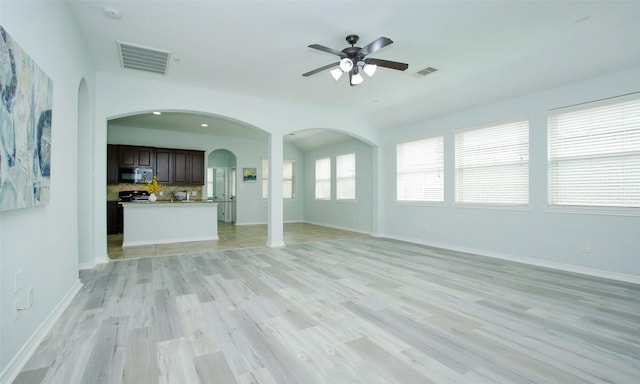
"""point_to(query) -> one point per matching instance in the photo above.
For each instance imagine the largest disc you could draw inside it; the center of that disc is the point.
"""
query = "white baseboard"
(358, 230)
(12, 370)
(171, 240)
(98, 260)
(275, 244)
(525, 260)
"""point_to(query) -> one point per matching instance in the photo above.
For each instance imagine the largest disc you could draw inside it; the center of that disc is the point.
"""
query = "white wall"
(536, 234)
(43, 241)
(355, 215)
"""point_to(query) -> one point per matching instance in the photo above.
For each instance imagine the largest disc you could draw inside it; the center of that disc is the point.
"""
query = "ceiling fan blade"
(320, 69)
(375, 46)
(326, 49)
(387, 64)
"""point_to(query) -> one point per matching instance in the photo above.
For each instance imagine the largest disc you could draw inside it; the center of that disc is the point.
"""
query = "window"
(492, 164)
(287, 179)
(346, 177)
(594, 154)
(210, 181)
(323, 179)
(288, 186)
(419, 170)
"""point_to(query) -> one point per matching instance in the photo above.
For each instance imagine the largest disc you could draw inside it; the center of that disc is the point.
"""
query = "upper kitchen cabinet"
(135, 157)
(197, 167)
(179, 167)
(112, 164)
(164, 165)
(189, 167)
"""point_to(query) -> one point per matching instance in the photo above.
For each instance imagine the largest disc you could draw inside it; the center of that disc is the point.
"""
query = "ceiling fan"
(353, 60)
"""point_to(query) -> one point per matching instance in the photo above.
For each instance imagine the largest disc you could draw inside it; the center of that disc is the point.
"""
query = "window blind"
(492, 164)
(346, 177)
(287, 179)
(323, 179)
(594, 155)
(420, 169)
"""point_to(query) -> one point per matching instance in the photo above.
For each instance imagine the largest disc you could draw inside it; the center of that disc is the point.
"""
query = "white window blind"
(210, 181)
(492, 164)
(420, 169)
(323, 179)
(594, 155)
(287, 179)
(346, 177)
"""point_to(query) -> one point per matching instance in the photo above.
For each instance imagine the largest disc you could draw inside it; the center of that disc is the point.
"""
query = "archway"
(85, 181)
(221, 183)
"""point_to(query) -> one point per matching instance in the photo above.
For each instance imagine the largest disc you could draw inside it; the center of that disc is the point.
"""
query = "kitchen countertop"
(167, 202)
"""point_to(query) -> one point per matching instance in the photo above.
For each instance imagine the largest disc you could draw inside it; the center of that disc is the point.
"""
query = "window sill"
(502, 207)
(608, 211)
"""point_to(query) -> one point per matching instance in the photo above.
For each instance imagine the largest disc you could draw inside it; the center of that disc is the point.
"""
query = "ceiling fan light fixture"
(356, 78)
(336, 73)
(346, 64)
(370, 69)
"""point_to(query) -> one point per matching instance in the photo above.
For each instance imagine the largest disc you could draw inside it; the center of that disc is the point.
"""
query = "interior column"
(275, 230)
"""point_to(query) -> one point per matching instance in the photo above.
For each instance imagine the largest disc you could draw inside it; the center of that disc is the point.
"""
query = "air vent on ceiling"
(425, 72)
(143, 59)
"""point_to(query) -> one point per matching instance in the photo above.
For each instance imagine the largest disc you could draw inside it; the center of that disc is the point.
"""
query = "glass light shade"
(356, 79)
(336, 73)
(370, 69)
(346, 64)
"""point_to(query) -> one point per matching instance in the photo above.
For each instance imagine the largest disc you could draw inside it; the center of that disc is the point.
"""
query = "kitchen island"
(169, 222)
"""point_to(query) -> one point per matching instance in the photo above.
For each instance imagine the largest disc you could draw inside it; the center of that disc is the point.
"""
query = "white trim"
(12, 370)
(98, 260)
(275, 244)
(338, 227)
(172, 240)
(525, 260)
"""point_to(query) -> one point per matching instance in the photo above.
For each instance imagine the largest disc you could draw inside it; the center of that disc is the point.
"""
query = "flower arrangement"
(153, 186)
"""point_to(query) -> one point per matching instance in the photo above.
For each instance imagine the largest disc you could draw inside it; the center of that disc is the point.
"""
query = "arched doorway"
(222, 183)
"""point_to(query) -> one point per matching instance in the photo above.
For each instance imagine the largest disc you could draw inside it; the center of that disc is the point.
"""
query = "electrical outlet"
(585, 247)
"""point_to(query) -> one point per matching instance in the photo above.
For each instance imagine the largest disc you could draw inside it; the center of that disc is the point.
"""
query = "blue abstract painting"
(26, 97)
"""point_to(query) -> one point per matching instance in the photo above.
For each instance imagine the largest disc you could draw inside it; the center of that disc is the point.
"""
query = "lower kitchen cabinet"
(114, 218)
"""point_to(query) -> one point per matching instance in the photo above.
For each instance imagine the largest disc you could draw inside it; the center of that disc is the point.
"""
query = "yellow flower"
(153, 186)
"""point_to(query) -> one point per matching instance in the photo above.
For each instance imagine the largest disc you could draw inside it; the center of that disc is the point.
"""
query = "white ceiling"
(484, 50)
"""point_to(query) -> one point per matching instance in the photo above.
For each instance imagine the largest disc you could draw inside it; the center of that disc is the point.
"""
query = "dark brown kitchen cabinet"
(197, 167)
(179, 167)
(112, 164)
(164, 166)
(135, 157)
(182, 169)
(113, 218)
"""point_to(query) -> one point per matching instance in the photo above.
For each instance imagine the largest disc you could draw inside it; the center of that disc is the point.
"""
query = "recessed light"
(204, 125)
(112, 13)
(157, 113)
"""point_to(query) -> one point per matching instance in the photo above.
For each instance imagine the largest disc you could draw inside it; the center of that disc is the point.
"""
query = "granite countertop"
(165, 202)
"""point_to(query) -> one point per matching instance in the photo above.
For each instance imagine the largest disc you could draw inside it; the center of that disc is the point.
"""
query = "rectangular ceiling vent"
(425, 72)
(143, 59)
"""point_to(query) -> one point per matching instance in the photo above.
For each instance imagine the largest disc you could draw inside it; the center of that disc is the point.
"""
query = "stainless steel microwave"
(135, 175)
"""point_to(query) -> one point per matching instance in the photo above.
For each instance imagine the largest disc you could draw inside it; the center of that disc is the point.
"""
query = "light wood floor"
(362, 310)
(231, 236)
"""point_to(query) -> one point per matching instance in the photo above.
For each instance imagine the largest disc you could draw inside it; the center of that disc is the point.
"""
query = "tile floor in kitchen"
(231, 236)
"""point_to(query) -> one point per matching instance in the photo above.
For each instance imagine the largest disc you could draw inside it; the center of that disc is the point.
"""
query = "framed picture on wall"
(249, 175)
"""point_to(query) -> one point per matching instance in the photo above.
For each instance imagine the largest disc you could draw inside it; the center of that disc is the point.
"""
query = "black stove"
(132, 196)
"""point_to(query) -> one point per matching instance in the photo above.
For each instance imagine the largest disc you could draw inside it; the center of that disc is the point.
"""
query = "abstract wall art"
(26, 97)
